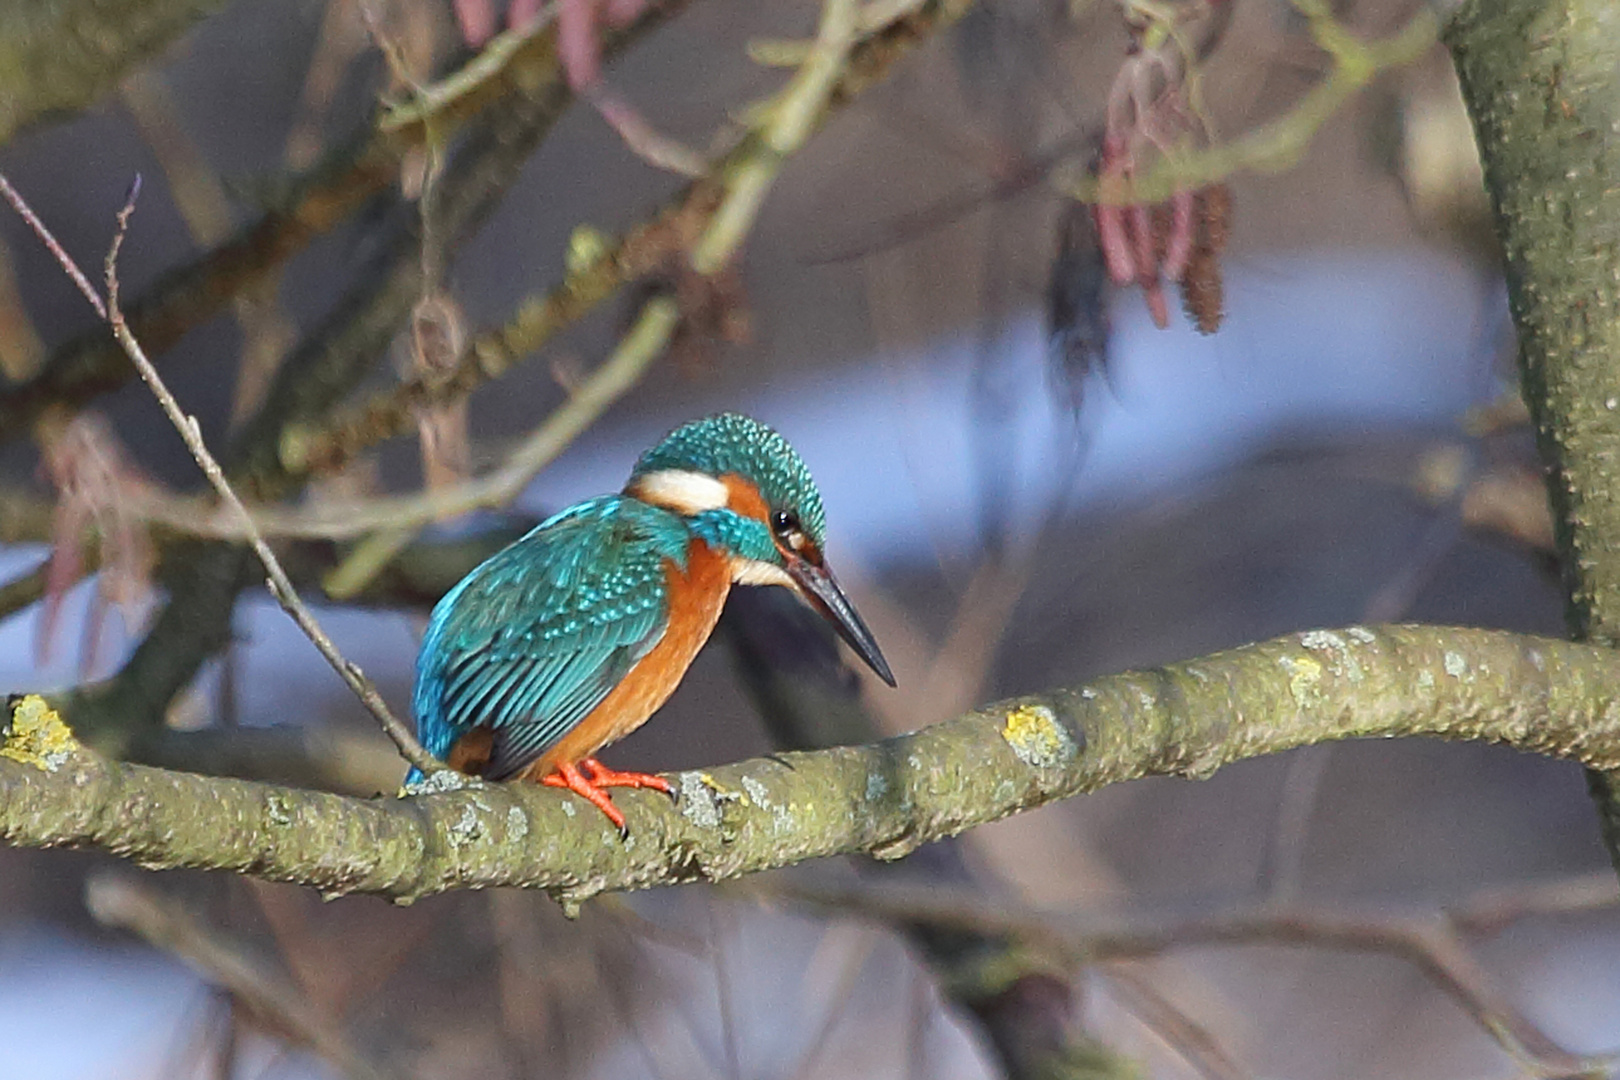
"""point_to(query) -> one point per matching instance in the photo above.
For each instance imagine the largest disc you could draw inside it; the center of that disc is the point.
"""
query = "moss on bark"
(886, 799)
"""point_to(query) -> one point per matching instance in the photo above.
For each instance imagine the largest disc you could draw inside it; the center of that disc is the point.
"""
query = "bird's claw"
(589, 778)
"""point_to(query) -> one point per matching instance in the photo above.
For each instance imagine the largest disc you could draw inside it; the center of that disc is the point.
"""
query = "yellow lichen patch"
(36, 736)
(1304, 679)
(1037, 738)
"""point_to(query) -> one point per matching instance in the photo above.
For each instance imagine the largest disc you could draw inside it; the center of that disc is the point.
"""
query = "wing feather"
(534, 638)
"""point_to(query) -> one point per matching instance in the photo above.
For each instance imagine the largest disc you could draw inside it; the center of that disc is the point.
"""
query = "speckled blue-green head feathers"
(733, 443)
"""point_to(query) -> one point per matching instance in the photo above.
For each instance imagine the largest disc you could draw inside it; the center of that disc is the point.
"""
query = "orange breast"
(695, 600)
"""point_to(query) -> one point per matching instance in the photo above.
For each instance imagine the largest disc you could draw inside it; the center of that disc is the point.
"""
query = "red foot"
(602, 776)
(590, 777)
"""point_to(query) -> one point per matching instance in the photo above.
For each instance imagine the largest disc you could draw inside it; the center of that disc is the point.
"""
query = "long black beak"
(822, 589)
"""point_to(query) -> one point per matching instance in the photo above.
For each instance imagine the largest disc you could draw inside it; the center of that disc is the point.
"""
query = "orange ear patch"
(743, 496)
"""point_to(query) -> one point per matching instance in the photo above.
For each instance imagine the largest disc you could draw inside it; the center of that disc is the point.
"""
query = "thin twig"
(619, 997)
(1191, 1041)
(920, 1014)
(1283, 865)
(641, 345)
(22, 591)
(279, 585)
(191, 432)
(115, 901)
(722, 991)
(1429, 944)
(1491, 911)
(838, 999)
(65, 260)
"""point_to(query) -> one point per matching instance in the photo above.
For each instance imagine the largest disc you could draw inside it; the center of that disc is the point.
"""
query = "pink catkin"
(1158, 307)
(622, 13)
(1147, 268)
(1183, 231)
(577, 46)
(1112, 230)
(476, 18)
(1115, 247)
(521, 13)
(1141, 225)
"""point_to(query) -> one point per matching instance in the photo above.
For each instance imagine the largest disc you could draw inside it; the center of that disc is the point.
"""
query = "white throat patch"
(756, 572)
(681, 490)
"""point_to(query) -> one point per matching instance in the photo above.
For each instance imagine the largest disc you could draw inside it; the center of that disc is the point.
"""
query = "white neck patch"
(756, 572)
(681, 490)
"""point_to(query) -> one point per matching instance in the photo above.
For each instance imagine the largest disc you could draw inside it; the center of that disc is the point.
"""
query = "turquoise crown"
(733, 443)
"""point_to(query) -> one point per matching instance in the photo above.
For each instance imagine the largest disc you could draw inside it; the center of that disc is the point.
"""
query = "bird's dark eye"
(784, 522)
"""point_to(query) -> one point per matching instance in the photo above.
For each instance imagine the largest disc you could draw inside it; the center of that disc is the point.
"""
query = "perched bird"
(570, 638)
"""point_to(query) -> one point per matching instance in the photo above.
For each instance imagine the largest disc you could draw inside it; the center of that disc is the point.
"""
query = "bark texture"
(1550, 697)
(1542, 82)
(57, 56)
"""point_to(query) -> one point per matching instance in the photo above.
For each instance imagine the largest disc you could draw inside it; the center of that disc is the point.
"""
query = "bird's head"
(744, 491)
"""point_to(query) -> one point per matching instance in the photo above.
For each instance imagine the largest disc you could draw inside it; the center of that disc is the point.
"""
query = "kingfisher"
(574, 635)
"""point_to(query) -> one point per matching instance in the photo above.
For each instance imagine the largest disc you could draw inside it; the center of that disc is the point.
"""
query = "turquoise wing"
(535, 637)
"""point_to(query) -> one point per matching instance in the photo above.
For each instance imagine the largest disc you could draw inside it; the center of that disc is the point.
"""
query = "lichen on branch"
(1543, 696)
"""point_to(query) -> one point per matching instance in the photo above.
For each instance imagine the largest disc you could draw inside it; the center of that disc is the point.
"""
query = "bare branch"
(63, 259)
(280, 587)
(1550, 697)
(1428, 941)
(870, 55)
(267, 994)
(57, 58)
(191, 432)
(511, 84)
(1490, 911)
(1191, 1042)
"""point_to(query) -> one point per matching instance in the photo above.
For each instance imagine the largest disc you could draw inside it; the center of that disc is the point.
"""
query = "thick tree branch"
(1541, 84)
(1545, 116)
(58, 57)
(1549, 697)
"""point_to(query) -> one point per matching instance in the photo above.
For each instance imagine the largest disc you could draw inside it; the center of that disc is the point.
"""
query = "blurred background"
(1028, 483)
